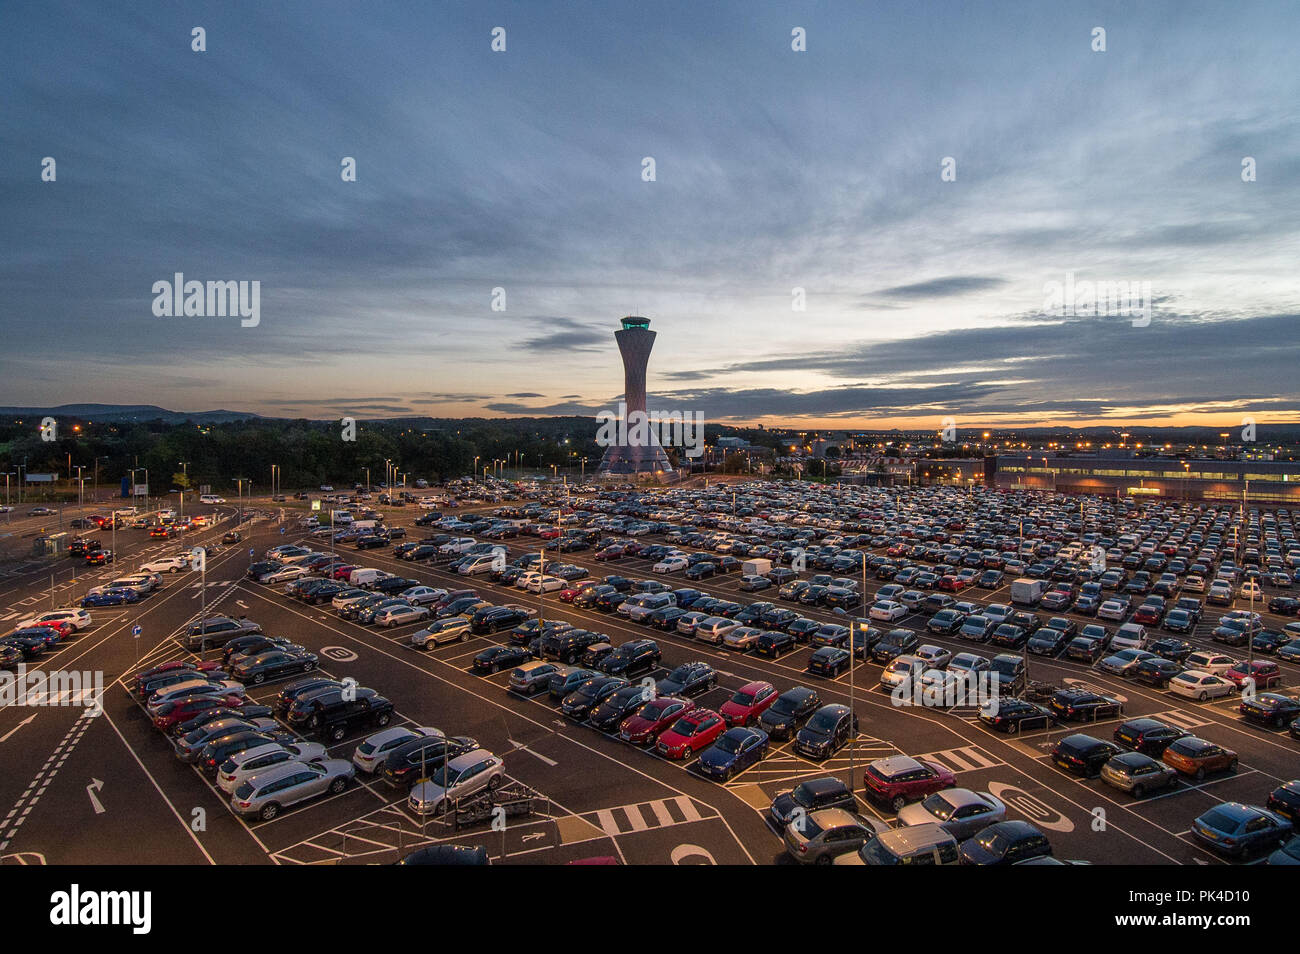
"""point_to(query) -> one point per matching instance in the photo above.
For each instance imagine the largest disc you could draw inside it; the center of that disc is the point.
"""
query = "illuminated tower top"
(635, 321)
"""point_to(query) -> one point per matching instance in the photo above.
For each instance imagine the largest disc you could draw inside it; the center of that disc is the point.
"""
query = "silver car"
(401, 615)
(960, 811)
(818, 837)
(241, 766)
(1137, 774)
(264, 795)
(464, 775)
(370, 755)
(452, 629)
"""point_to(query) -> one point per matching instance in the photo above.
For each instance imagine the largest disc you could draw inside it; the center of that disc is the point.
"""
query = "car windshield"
(1219, 819)
(729, 743)
(938, 806)
(743, 698)
(823, 721)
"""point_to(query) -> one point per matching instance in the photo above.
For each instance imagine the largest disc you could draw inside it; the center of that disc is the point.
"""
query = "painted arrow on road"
(95, 786)
(26, 721)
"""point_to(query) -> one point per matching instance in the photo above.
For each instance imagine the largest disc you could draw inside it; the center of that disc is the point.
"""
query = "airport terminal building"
(1259, 482)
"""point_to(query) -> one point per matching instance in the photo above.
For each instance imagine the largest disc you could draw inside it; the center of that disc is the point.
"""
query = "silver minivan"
(927, 844)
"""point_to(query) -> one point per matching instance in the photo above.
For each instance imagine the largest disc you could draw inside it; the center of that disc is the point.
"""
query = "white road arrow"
(95, 786)
(534, 837)
(29, 719)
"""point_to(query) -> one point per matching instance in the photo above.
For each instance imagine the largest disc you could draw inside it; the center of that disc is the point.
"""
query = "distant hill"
(128, 412)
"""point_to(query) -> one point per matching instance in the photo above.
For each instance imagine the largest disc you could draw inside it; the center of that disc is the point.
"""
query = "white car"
(670, 564)
(715, 629)
(76, 618)
(466, 774)
(901, 670)
(244, 765)
(171, 564)
(371, 754)
(1113, 610)
(1194, 584)
(887, 611)
(1209, 661)
(1129, 636)
(459, 545)
(547, 584)
(1197, 684)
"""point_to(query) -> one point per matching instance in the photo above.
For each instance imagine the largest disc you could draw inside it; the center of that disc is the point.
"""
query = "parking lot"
(591, 795)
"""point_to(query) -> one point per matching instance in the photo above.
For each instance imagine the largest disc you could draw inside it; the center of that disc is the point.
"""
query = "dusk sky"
(775, 170)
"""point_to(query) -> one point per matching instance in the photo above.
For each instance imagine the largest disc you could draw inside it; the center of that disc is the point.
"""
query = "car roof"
(472, 757)
(911, 838)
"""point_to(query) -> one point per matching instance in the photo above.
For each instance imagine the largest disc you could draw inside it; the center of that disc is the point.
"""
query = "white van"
(211, 499)
(364, 575)
(341, 518)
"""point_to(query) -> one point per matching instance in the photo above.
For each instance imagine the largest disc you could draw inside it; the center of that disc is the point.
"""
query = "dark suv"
(217, 631)
(569, 645)
(333, 714)
(635, 656)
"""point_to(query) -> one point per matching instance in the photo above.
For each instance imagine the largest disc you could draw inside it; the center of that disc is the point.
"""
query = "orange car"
(1197, 757)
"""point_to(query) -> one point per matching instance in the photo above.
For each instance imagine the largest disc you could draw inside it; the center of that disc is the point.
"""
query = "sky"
(924, 297)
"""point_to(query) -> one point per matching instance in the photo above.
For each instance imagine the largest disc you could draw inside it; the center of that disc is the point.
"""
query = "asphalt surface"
(80, 788)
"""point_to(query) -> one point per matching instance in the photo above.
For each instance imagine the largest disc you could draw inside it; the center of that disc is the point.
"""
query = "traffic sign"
(136, 631)
(251, 551)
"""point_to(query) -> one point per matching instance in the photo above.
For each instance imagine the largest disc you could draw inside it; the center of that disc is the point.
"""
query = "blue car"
(1236, 829)
(736, 750)
(115, 597)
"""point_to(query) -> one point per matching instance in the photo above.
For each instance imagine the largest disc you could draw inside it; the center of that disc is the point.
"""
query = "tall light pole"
(185, 469)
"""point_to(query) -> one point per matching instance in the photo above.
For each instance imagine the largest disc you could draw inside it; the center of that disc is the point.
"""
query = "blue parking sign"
(136, 631)
(251, 551)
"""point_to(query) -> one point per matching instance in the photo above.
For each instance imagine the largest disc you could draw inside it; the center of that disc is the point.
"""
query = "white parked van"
(211, 499)
(364, 575)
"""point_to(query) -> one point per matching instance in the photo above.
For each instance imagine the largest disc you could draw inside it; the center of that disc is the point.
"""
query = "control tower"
(634, 343)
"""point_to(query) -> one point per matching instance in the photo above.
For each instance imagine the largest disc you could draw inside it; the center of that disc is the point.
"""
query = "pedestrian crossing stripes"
(1181, 719)
(643, 816)
(969, 758)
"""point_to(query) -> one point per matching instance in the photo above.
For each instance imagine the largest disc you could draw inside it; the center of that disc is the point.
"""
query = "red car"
(185, 709)
(570, 593)
(750, 701)
(951, 583)
(1147, 614)
(898, 549)
(549, 533)
(60, 627)
(610, 553)
(643, 726)
(1265, 673)
(693, 732)
(900, 779)
(633, 548)
(343, 572)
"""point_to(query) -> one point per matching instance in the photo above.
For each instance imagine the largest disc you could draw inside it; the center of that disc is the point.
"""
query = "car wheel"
(1232, 766)
(1279, 722)
(337, 733)
(1013, 728)
(308, 666)
(1200, 774)
(1138, 791)
(1203, 696)
(259, 678)
(269, 811)
(824, 860)
(338, 785)
(494, 783)
(383, 719)
(899, 803)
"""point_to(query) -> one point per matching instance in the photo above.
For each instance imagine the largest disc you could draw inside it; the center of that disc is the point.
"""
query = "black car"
(1047, 642)
(273, 664)
(688, 679)
(1270, 708)
(620, 704)
(811, 796)
(1086, 649)
(1009, 636)
(251, 645)
(494, 619)
(894, 643)
(1169, 648)
(1148, 736)
(827, 731)
(220, 711)
(773, 643)
(782, 718)
(567, 646)
(1080, 705)
(1083, 755)
(802, 629)
(393, 584)
(582, 702)
(666, 618)
(638, 655)
(1285, 801)
(414, 759)
(829, 661)
(333, 714)
(1005, 843)
(1157, 671)
(1015, 715)
(495, 658)
(302, 688)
